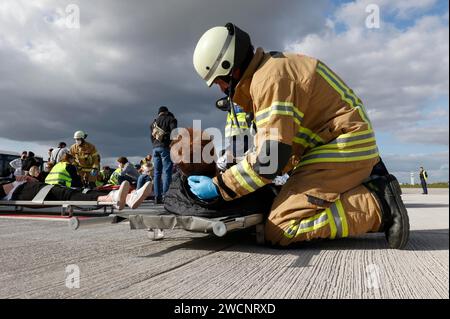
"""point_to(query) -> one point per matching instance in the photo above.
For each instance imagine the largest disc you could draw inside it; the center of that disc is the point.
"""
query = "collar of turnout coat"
(242, 93)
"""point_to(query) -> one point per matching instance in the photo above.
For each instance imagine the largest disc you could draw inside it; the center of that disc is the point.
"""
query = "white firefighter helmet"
(79, 134)
(219, 50)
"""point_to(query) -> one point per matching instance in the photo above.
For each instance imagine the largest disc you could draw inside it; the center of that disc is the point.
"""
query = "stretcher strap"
(43, 192)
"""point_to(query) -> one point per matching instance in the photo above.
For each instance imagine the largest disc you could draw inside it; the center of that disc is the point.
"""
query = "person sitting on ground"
(114, 178)
(146, 174)
(37, 174)
(25, 188)
(29, 162)
(104, 175)
(128, 171)
(64, 173)
(34, 172)
(146, 159)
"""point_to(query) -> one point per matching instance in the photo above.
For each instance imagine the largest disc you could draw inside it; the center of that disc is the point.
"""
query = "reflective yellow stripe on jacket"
(59, 175)
(307, 138)
(344, 91)
(278, 108)
(349, 147)
(246, 176)
(350, 140)
(243, 174)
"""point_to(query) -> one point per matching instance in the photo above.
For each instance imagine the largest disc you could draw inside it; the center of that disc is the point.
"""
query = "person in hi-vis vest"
(64, 173)
(423, 180)
(238, 137)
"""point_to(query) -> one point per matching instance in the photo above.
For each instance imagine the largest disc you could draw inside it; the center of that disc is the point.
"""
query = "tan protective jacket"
(298, 101)
(86, 157)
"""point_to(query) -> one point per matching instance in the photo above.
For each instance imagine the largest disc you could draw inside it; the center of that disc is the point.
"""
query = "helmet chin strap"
(230, 94)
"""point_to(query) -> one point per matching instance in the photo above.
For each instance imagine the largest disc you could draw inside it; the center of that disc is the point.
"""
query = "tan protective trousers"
(324, 203)
(87, 177)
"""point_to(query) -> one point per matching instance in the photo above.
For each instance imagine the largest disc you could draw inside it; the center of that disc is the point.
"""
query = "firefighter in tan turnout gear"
(311, 125)
(87, 159)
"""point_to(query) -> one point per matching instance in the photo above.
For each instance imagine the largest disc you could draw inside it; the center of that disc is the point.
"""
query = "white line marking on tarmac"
(36, 218)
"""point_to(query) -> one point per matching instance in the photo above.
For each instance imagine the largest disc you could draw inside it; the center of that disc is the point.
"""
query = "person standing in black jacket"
(160, 129)
(423, 180)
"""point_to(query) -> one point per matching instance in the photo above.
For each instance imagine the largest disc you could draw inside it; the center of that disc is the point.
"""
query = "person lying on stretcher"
(25, 188)
(194, 155)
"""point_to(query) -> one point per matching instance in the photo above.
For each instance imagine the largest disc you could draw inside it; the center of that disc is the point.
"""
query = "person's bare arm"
(7, 187)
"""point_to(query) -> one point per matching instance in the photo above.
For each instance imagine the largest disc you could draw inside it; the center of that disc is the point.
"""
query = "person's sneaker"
(135, 198)
(159, 201)
(119, 196)
(395, 220)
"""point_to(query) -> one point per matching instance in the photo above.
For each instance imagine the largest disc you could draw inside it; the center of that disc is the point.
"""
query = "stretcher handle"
(75, 222)
(220, 229)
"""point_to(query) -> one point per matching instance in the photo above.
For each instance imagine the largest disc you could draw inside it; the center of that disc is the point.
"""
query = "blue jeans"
(162, 164)
(424, 186)
(121, 179)
(142, 179)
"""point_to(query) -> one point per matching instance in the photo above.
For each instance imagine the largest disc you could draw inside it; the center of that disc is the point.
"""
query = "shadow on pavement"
(244, 241)
(428, 239)
(425, 205)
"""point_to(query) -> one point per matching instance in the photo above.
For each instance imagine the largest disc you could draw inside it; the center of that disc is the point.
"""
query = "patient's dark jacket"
(179, 200)
(29, 190)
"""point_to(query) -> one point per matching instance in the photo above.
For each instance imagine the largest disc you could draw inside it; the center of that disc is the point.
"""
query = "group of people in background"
(79, 165)
(23, 164)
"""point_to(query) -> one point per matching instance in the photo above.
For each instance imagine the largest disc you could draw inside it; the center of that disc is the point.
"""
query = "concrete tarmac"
(37, 258)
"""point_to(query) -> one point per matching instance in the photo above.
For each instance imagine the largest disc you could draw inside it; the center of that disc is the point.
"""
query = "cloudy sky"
(108, 74)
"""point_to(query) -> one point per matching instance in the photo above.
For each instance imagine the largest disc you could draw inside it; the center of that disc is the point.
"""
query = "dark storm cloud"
(128, 58)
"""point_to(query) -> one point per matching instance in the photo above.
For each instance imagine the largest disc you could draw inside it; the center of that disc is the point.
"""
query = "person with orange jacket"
(311, 125)
(87, 159)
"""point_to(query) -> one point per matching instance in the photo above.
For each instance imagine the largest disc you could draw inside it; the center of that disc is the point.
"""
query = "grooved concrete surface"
(116, 262)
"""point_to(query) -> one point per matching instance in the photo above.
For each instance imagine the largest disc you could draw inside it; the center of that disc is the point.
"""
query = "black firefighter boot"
(395, 221)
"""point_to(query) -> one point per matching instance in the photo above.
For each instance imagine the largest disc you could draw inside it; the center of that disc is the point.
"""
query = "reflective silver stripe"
(219, 57)
(57, 180)
(246, 177)
(340, 154)
(312, 223)
(43, 192)
(268, 112)
(337, 220)
(291, 231)
(298, 117)
(352, 138)
(61, 174)
(345, 90)
(241, 124)
(308, 139)
(346, 93)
